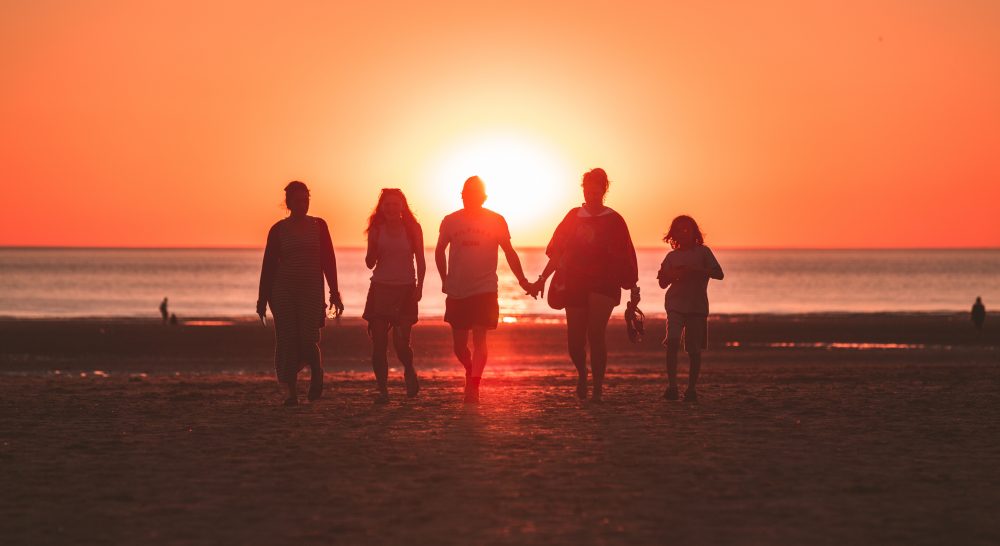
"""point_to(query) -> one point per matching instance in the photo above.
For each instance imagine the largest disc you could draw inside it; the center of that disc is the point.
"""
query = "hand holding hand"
(540, 287)
(528, 288)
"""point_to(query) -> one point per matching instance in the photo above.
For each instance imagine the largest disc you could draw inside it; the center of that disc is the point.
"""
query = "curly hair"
(671, 236)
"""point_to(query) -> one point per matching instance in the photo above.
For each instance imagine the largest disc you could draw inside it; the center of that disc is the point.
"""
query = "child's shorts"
(690, 327)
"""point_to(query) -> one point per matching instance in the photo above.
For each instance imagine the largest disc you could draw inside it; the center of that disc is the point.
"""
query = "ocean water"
(223, 283)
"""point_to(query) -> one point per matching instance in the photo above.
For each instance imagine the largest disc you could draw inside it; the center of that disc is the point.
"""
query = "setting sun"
(526, 181)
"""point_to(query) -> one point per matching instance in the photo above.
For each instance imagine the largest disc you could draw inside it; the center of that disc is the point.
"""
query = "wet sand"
(155, 435)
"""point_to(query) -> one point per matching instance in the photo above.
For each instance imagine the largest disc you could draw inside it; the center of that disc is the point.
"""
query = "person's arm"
(328, 261)
(371, 256)
(664, 276)
(550, 268)
(440, 258)
(515, 265)
(554, 251)
(421, 262)
(713, 269)
(503, 239)
(268, 269)
(630, 279)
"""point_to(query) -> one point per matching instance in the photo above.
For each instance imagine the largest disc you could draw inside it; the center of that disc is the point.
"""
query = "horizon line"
(524, 247)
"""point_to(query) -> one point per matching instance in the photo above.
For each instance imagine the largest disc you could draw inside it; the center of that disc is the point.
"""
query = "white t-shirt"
(689, 295)
(473, 237)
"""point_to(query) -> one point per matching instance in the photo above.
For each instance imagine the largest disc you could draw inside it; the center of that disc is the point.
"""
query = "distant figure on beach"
(173, 319)
(684, 273)
(299, 254)
(163, 310)
(978, 313)
(593, 258)
(395, 243)
(471, 237)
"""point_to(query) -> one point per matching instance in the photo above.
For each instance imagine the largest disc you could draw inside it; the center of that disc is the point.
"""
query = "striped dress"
(292, 284)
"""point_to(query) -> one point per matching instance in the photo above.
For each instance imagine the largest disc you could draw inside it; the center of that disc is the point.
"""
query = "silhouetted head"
(391, 204)
(297, 198)
(979, 299)
(595, 186)
(684, 233)
(473, 192)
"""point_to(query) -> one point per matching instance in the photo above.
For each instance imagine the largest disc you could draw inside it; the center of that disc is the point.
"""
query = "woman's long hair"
(671, 236)
(409, 219)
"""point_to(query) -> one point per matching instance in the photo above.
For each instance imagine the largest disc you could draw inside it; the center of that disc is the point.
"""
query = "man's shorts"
(478, 311)
(691, 327)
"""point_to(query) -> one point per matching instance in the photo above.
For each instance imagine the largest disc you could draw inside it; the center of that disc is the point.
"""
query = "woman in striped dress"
(298, 255)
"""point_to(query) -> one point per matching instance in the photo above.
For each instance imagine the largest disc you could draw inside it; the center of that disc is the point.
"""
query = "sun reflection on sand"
(838, 345)
(209, 323)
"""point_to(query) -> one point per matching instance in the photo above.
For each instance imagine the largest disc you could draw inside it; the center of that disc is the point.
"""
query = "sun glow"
(526, 181)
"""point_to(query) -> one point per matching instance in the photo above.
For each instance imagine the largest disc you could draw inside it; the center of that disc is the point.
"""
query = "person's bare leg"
(576, 339)
(692, 392)
(401, 342)
(293, 392)
(598, 314)
(479, 355)
(673, 347)
(314, 358)
(460, 339)
(380, 362)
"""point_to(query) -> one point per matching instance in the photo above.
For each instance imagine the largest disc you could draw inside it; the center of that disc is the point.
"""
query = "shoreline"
(120, 345)
(558, 317)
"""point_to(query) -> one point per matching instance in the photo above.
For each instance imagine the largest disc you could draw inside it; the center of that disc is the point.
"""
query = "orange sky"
(804, 124)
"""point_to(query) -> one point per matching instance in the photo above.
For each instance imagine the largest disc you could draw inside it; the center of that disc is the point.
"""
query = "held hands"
(529, 288)
(533, 289)
(539, 287)
(336, 305)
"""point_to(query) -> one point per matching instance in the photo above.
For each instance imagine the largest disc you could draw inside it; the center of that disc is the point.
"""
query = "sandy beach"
(835, 429)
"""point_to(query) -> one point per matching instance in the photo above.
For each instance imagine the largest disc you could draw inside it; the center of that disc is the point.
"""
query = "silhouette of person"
(471, 237)
(163, 310)
(395, 242)
(173, 319)
(685, 272)
(978, 313)
(594, 258)
(298, 255)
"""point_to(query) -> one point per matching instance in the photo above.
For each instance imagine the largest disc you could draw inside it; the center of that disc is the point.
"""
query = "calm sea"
(223, 283)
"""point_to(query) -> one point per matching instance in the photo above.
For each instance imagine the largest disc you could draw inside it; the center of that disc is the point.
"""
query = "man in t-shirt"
(469, 277)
